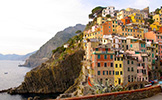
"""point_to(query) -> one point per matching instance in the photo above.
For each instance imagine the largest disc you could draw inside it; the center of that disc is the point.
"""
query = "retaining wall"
(124, 95)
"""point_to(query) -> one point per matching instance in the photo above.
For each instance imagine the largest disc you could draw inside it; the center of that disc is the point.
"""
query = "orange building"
(100, 31)
(160, 29)
(106, 28)
(151, 36)
(126, 20)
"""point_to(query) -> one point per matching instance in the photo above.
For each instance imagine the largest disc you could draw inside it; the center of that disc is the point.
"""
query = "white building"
(110, 10)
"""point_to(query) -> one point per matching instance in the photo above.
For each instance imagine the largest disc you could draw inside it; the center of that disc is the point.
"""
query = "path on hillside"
(156, 97)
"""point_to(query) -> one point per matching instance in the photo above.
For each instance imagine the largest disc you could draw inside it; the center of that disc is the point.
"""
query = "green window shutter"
(99, 56)
(98, 72)
(103, 72)
(111, 56)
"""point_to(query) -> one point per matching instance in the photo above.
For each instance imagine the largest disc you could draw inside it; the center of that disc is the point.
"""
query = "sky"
(25, 25)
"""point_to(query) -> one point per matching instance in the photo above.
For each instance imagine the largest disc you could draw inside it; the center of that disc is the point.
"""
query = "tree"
(78, 31)
(91, 16)
(108, 16)
(157, 11)
(151, 21)
(97, 11)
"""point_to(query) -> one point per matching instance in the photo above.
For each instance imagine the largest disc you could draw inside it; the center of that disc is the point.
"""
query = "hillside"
(58, 73)
(45, 52)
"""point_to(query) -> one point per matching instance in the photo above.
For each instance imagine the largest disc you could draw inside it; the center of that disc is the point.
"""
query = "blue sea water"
(12, 76)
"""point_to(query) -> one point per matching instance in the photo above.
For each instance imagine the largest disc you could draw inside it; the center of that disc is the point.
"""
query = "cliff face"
(52, 79)
(45, 52)
(58, 73)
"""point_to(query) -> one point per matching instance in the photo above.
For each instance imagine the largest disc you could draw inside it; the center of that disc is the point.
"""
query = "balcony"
(103, 52)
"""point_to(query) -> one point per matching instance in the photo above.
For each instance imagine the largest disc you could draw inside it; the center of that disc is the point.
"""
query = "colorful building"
(155, 26)
(137, 18)
(126, 20)
(130, 31)
(118, 69)
(102, 64)
(157, 18)
(110, 10)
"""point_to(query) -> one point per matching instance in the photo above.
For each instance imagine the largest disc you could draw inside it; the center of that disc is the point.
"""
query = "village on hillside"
(123, 47)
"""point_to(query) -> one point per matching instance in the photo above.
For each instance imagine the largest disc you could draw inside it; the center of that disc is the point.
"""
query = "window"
(111, 64)
(120, 65)
(121, 73)
(99, 73)
(103, 72)
(131, 45)
(128, 78)
(141, 45)
(99, 56)
(105, 64)
(144, 45)
(98, 64)
(111, 56)
(128, 62)
(109, 26)
(105, 56)
(128, 69)
(116, 65)
(132, 62)
(137, 71)
(113, 72)
(117, 73)
(132, 69)
(152, 55)
(96, 49)
(109, 72)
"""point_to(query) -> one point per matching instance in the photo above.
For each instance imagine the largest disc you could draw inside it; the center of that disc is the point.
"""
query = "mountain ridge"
(45, 51)
(15, 56)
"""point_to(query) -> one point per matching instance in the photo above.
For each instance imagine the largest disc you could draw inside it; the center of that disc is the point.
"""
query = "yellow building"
(137, 18)
(118, 70)
(160, 12)
(158, 17)
(155, 26)
(132, 10)
(130, 31)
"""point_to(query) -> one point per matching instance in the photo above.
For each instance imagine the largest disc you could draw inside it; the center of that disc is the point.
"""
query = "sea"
(12, 76)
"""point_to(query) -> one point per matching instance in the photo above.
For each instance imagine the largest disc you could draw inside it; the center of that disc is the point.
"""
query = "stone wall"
(124, 95)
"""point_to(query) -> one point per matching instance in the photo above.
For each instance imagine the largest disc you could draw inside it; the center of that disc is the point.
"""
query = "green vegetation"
(157, 11)
(99, 88)
(74, 45)
(78, 31)
(97, 11)
(150, 21)
(108, 16)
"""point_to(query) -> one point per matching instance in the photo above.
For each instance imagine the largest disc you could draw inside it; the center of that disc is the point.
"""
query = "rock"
(49, 78)
(30, 98)
(36, 98)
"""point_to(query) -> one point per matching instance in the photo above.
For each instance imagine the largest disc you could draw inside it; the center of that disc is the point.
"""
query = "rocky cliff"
(58, 73)
(44, 53)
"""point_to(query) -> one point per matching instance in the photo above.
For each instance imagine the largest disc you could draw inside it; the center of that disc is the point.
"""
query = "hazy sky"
(25, 25)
